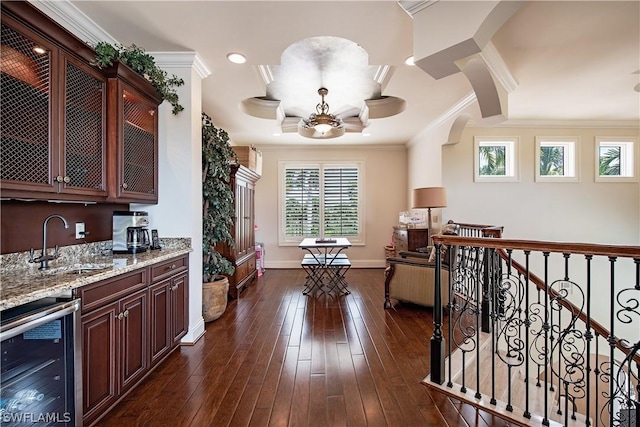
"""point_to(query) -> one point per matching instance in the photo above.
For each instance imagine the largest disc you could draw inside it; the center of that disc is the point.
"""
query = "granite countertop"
(20, 285)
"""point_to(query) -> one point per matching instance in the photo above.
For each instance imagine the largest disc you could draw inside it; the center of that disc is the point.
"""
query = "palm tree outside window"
(616, 159)
(496, 159)
(557, 159)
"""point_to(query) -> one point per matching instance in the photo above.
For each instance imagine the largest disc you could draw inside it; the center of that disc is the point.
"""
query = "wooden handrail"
(541, 246)
(545, 246)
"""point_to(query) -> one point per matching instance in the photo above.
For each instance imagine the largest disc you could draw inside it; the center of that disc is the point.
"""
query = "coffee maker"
(130, 234)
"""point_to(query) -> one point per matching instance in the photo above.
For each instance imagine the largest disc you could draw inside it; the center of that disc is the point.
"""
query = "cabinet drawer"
(241, 272)
(109, 290)
(251, 265)
(168, 268)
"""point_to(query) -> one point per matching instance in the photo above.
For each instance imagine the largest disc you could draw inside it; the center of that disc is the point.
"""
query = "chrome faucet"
(44, 258)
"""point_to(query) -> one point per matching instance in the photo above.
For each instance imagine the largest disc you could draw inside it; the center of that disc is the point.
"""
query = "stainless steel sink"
(78, 268)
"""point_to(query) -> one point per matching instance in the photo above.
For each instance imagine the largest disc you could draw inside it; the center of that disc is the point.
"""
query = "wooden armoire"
(243, 256)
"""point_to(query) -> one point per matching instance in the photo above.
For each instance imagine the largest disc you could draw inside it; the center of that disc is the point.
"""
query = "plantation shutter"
(302, 199)
(340, 201)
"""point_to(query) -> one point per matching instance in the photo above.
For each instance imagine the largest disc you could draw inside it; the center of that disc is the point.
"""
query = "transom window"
(320, 200)
(557, 159)
(496, 159)
(616, 159)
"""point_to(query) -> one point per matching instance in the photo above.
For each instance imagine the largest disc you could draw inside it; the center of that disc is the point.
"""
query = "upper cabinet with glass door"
(133, 103)
(53, 112)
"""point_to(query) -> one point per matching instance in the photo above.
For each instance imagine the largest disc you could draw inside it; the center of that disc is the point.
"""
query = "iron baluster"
(527, 328)
(437, 340)
(545, 327)
(588, 337)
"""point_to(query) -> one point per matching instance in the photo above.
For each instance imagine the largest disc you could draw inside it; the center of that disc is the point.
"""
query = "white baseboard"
(194, 334)
(362, 263)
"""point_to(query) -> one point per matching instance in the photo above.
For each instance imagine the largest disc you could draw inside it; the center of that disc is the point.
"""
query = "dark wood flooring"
(280, 358)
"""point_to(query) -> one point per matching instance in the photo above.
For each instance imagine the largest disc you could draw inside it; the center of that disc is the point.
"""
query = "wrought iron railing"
(571, 334)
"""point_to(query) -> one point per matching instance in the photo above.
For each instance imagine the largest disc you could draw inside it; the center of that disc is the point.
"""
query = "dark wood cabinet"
(71, 131)
(410, 239)
(169, 316)
(53, 124)
(114, 340)
(99, 356)
(243, 256)
(133, 131)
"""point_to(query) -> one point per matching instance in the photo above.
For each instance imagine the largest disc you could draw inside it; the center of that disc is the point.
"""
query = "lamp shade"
(429, 197)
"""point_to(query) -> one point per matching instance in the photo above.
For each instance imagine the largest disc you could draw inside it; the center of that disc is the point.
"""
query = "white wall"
(179, 209)
(385, 195)
(584, 211)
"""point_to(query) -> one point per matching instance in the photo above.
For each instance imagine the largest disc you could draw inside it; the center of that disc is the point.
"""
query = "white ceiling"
(571, 63)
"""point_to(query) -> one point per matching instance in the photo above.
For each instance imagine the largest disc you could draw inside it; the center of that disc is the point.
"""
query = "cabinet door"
(160, 320)
(179, 307)
(99, 361)
(133, 329)
(83, 159)
(138, 158)
(28, 149)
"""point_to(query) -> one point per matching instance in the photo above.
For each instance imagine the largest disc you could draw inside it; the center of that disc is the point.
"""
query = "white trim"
(74, 21)
(498, 68)
(190, 59)
(571, 145)
(630, 154)
(194, 333)
(512, 159)
(450, 113)
(295, 263)
(563, 124)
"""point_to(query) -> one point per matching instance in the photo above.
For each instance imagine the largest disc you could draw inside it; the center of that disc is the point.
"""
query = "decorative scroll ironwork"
(544, 329)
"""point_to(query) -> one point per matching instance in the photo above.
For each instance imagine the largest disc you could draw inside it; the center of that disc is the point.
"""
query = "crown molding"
(74, 20)
(413, 7)
(369, 147)
(265, 74)
(563, 124)
(189, 59)
(451, 113)
(498, 67)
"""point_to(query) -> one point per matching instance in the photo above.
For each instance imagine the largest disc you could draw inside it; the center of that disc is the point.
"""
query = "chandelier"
(324, 123)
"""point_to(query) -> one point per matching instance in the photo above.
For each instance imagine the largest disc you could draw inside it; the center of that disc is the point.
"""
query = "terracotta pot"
(214, 298)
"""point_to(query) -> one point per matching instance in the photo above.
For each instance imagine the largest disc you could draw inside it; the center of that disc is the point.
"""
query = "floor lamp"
(427, 198)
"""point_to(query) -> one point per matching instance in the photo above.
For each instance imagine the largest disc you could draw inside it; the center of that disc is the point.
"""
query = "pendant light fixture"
(324, 123)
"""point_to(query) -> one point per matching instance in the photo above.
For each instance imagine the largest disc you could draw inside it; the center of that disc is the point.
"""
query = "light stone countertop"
(21, 285)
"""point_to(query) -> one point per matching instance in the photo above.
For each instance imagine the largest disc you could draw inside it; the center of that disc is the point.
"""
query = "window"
(320, 200)
(557, 159)
(616, 159)
(496, 159)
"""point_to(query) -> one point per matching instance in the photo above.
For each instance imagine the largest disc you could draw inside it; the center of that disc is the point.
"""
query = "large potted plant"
(218, 214)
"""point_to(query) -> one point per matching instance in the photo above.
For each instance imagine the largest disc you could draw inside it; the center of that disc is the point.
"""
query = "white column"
(179, 209)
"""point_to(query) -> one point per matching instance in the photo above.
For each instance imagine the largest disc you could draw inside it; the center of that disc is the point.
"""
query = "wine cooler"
(40, 364)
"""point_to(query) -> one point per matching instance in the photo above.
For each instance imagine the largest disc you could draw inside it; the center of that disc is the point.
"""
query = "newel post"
(437, 343)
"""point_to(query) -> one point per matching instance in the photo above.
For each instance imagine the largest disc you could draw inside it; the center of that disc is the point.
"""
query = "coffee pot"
(137, 239)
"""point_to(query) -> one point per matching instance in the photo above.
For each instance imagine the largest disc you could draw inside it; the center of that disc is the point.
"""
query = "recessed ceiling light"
(366, 134)
(409, 61)
(236, 58)
(39, 50)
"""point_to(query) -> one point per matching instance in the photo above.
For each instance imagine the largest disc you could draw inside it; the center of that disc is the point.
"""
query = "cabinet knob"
(173, 266)
(174, 287)
(59, 178)
(124, 185)
(120, 316)
(126, 313)
(67, 179)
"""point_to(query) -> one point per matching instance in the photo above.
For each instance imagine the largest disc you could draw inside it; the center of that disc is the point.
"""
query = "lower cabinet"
(129, 324)
(169, 317)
